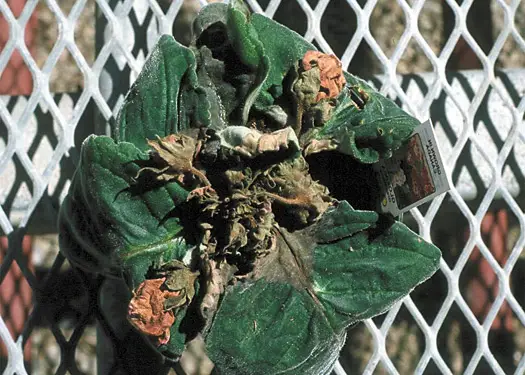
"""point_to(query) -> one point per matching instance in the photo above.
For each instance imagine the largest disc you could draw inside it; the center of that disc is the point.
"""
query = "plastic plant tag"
(414, 174)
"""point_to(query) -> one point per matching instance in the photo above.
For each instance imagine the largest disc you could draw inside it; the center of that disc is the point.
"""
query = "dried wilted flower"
(146, 310)
(330, 70)
(171, 159)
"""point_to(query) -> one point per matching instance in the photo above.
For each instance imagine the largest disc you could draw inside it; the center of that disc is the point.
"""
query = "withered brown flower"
(146, 310)
(172, 159)
(331, 73)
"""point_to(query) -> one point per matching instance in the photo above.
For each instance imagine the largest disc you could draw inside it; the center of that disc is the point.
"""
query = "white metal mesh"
(491, 144)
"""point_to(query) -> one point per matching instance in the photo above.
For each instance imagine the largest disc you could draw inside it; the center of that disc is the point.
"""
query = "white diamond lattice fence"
(478, 116)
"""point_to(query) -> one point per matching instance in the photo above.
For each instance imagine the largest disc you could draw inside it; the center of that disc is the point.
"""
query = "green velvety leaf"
(243, 36)
(151, 106)
(202, 106)
(104, 220)
(262, 44)
(346, 222)
(371, 132)
(271, 328)
(249, 48)
(284, 48)
(358, 277)
(300, 311)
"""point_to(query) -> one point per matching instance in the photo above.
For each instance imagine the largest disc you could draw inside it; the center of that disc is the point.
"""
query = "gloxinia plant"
(237, 199)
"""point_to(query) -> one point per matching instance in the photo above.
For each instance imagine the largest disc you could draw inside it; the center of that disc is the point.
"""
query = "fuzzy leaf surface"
(266, 328)
(106, 220)
(151, 107)
(368, 133)
(360, 276)
(350, 277)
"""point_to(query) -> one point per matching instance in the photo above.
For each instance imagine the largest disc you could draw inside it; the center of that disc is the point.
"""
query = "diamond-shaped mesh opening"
(502, 339)
(431, 20)
(463, 57)
(404, 342)
(85, 33)
(358, 349)
(387, 24)
(290, 14)
(338, 25)
(429, 296)
(456, 340)
(413, 60)
(47, 34)
(482, 32)
(450, 231)
(66, 67)
(16, 77)
(511, 56)
(479, 283)
(365, 62)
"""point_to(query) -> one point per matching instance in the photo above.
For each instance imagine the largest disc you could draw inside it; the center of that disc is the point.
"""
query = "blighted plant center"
(469, 318)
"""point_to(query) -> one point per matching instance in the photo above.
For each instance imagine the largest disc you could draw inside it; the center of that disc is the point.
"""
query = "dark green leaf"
(268, 328)
(359, 277)
(351, 277)
(371, 132)
(105, 219)
(151, 106)
(342, 223)
(284, 48)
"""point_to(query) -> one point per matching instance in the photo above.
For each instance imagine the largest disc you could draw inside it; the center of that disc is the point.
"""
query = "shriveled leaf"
(252, 143)
(307, 85)
(178, 278)
(171, 159)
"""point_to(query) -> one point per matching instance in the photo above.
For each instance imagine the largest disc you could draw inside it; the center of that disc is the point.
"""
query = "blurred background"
(59, 322)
